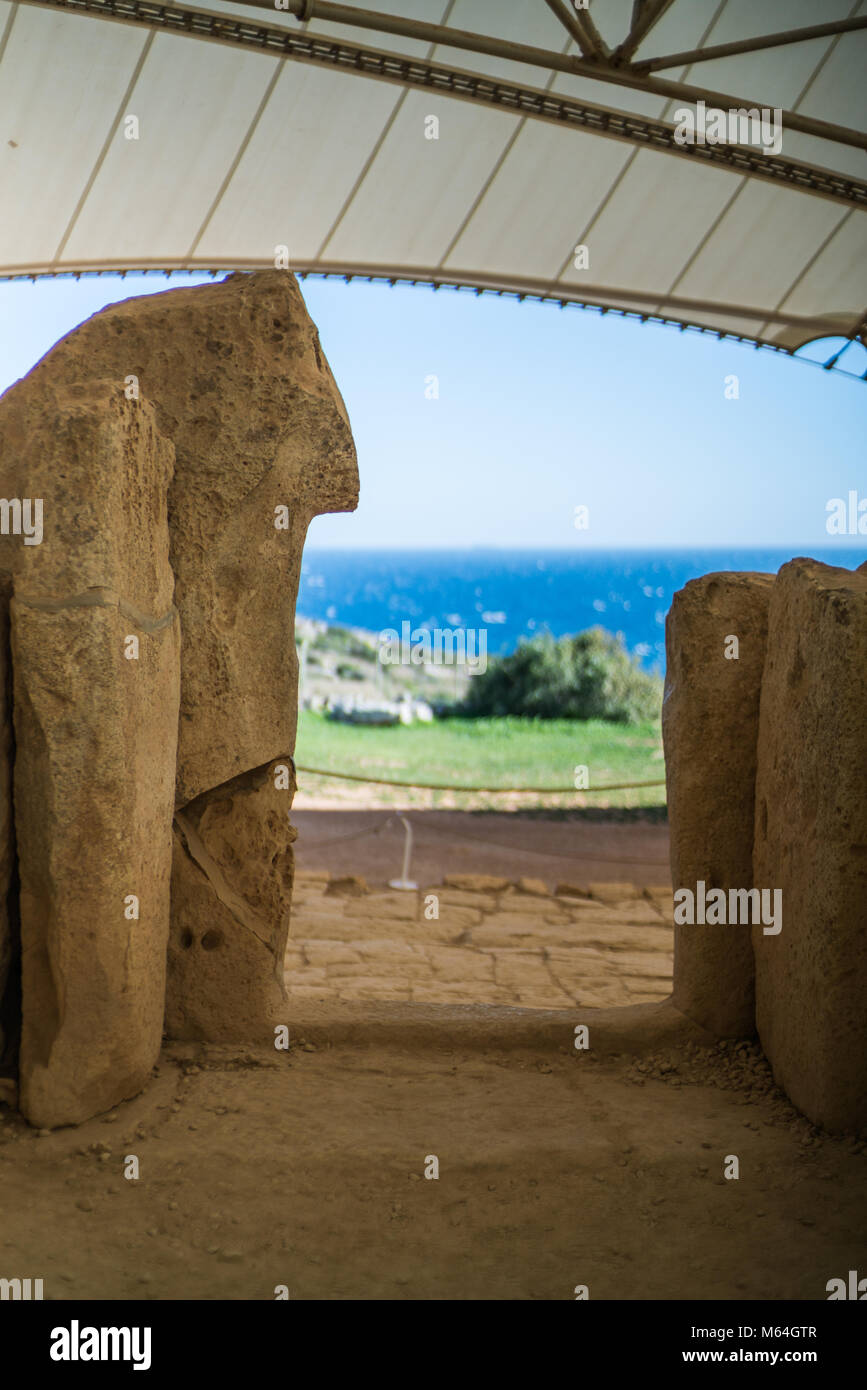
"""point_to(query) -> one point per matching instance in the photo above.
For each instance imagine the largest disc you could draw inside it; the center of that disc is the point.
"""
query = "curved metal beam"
(438, 282)
(646, 305)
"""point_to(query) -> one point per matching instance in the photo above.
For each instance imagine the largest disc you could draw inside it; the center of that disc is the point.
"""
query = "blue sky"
(539, 411)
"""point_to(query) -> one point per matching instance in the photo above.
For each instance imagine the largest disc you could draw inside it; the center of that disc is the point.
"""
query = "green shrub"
(340, 640)
(588, 676)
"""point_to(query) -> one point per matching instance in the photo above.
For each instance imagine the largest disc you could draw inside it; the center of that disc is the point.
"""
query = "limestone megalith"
(231, 893)
(241, 387)
(179, 445)
(95, 654)
(10, 944)
(710, 719)
(811, 842)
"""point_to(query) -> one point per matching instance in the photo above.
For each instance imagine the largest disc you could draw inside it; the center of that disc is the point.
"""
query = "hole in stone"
(211, 940)
(186, 940)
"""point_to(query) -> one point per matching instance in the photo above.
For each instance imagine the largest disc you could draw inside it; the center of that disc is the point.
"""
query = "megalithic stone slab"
(241, 387)
(710, 719)
(95, 644)
(9, 942)
(231, 892)
(811, 842)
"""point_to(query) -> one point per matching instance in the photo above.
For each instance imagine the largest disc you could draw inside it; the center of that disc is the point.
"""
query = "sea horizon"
(840, 546)
(518, 592)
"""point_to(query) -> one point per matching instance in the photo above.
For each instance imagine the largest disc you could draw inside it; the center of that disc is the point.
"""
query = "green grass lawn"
(503, 753)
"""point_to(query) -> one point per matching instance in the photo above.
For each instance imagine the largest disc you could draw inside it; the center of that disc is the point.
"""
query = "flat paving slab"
(479, 939)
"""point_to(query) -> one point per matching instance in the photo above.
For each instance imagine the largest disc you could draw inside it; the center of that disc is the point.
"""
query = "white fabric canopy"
(260, 128)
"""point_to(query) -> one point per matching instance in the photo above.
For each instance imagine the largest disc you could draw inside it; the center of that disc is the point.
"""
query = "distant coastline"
(516, 593)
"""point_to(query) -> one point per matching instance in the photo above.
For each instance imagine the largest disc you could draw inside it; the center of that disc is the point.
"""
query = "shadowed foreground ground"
(557, 1167)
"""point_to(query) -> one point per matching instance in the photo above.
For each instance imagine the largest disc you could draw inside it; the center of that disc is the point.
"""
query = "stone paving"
(477, 939)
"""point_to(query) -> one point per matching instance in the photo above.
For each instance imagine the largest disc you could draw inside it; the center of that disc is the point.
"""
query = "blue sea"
(517, 593)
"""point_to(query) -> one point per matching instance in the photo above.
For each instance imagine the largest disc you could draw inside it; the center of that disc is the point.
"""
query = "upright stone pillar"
(10, 944)
(202, 425)
(709, 725)
(242, 389)
(95, 646)
(811, 842)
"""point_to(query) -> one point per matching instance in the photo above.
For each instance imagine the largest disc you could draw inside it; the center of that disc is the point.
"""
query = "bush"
(344, 642)
(588, 676)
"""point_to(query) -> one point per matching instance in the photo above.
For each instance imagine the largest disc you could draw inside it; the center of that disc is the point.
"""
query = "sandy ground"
(556, 1168)
(627, 845)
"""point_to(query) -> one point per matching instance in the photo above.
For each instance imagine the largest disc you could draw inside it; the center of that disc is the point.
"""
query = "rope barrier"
(544, 853)
(423, 826)
(442, 787)
(356, 835)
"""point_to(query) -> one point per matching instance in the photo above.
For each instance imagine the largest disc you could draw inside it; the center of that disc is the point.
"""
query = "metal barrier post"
(404, 881)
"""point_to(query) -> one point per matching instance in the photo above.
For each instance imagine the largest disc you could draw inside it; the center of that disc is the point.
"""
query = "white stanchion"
(404, 881)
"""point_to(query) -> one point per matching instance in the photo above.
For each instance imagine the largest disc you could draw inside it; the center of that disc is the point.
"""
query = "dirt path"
(556, 1168)
(627, 846)
(311, 1169)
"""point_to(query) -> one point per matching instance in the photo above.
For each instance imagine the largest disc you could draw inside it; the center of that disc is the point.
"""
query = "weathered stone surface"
(402, 905)
(231, 892)
(527, 905)
(395, 958)
(10, 946)
(709, 725)
(811, 842)
(614, 893)
(95, 740)
(324, 953)
(241, 387)
(456, 897)
(572, 890)
(209, 416)
(346, 886)
(477, 883)
(536, 886)
(662, 899)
